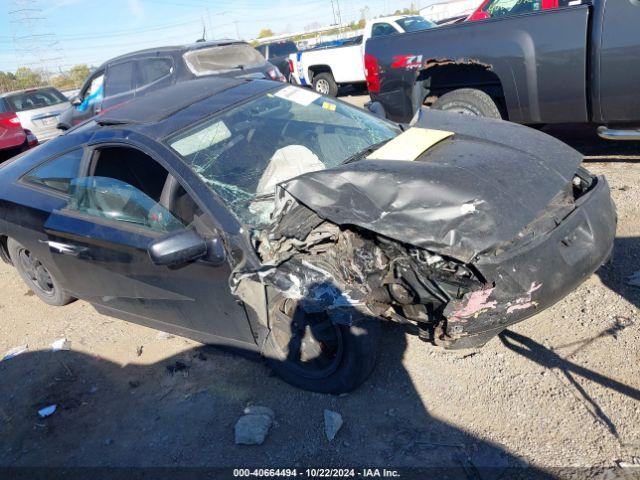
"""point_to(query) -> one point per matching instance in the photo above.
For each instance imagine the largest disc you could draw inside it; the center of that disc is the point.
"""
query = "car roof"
(173, 49)
(161, 104)
(27, 90)
(393, 18)
(167, 110)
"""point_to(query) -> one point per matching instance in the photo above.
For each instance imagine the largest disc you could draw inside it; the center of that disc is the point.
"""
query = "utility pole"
(35, 46)
(337, 16)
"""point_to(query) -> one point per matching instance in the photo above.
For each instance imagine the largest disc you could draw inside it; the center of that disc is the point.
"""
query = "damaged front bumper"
(534, 276)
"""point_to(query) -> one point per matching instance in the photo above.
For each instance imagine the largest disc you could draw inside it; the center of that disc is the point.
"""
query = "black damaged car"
(268, 218)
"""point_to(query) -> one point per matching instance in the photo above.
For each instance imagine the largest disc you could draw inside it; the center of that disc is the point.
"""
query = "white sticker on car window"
(298, 95)
(203, 139)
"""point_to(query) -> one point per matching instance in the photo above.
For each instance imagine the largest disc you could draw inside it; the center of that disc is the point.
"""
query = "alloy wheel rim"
(39, 277)
(322, 86)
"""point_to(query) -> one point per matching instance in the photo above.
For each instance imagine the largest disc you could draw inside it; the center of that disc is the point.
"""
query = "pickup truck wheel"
(37, 276)
(311, 352)
(324, 84)
(468, 101)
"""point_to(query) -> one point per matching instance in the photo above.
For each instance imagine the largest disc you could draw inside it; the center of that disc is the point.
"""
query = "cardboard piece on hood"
(410, 144)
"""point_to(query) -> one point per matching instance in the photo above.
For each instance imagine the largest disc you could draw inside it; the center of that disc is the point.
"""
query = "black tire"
(325, 84)
(468, 101)
(343, 362)
(37, 276)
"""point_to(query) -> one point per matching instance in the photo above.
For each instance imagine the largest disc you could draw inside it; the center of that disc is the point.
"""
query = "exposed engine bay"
(335, 269)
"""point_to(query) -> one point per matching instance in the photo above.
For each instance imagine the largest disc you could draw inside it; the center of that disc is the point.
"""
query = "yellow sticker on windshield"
(329, 106)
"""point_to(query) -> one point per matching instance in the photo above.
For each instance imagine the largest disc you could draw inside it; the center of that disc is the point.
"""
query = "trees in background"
(265, 32)
(74, 78)
(24, 77)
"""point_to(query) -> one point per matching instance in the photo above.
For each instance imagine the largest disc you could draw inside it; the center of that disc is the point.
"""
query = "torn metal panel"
(441, 62)
(473, 190)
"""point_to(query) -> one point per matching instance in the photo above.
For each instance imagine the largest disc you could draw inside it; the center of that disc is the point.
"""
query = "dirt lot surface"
(561, 389)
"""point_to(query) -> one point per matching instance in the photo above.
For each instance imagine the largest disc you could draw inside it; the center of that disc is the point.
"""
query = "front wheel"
(37, 276)
(468, 101)
(311, 352)
(325, 84)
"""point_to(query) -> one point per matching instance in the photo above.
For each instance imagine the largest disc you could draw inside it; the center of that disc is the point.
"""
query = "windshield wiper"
(367, 151)
(263, 197)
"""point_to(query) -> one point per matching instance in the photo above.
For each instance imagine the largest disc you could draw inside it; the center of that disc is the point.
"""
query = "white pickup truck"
(327, 68)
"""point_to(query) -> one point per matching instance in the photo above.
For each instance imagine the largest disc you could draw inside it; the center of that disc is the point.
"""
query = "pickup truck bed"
(577, 64)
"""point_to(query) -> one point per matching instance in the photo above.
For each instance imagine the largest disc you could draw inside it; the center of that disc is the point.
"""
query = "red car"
(499, 8)
(13, 138)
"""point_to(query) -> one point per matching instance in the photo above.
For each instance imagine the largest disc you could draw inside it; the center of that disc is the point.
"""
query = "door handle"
(64, 248)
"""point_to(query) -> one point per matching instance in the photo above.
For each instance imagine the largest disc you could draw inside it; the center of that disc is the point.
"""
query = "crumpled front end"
(342, 269)
(485, 229)
(534, 272)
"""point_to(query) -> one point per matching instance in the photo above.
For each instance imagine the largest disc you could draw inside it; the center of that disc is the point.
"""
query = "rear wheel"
(37, 276)
(325, 84)
(468, 101)
(311, 352)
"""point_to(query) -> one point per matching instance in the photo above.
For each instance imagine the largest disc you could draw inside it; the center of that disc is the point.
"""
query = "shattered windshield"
(222, 58)
(243, 153)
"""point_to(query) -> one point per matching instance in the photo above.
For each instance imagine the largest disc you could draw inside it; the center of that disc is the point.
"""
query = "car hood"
(462, 197)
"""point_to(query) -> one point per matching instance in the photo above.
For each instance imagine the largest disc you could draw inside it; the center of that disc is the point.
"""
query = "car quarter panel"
(542, 75)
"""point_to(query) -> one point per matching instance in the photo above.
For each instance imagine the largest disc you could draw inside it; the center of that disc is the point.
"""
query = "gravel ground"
(559, 390)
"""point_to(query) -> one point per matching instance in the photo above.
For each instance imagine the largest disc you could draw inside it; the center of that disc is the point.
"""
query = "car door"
(619, 69)
(99, 242)
(119, 83)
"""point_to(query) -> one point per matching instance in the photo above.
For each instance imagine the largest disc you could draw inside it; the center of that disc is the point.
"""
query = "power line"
(35, 46)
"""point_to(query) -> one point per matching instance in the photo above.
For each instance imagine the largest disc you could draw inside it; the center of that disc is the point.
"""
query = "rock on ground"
(332, 424)
(252, 428)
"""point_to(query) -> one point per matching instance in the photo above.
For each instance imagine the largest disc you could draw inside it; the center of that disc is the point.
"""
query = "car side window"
(125, 185)
(119, 79)
(382, 29)
(154, 69)
(57, 174)
(500, 8)
(93, 93)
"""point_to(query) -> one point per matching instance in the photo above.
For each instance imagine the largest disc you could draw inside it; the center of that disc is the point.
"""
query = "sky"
(70, 32)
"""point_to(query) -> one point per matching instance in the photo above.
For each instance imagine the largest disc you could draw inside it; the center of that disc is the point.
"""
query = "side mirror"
(178, 248)
(75, 100)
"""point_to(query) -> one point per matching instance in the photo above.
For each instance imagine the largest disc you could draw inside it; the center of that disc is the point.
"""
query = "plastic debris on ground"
(60, 344)
(47, 411)
(14, 352)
